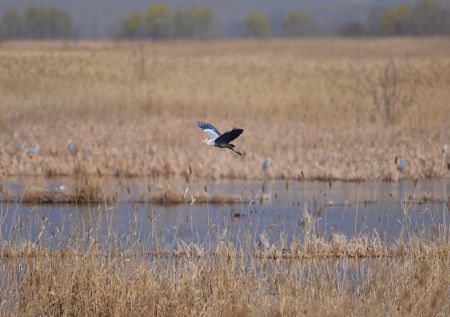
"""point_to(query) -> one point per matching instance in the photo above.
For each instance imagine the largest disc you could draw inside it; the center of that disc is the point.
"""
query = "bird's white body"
(209, 141)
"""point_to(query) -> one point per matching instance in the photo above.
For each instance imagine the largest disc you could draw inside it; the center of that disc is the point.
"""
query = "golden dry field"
(319, 108)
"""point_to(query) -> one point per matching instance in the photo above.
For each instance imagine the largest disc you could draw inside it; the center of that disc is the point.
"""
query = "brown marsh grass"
(86, 193)
(176, 196)
(319, 108)
(91, 275)
(93, 190)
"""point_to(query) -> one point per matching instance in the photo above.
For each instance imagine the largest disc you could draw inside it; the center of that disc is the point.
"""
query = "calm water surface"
(276, 208)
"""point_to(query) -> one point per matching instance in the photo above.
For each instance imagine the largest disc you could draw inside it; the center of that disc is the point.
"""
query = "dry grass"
(322, 108)
(173, 195)
(92, 190)
(86, 191)
(356, 277)
(87, 286)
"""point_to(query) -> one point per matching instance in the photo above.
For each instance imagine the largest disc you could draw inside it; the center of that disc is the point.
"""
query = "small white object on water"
(262, 197)
(33, 150)
(266, 164)
(71, 148)
(60, 188)
(401, 166)
(263, 242)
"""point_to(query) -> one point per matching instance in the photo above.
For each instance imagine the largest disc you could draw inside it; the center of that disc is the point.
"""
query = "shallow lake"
(278, 209)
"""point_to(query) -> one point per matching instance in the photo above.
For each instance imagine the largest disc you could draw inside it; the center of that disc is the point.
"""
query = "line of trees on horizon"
(36, 22)
(425, 17)
(160, 21)
(193, 21)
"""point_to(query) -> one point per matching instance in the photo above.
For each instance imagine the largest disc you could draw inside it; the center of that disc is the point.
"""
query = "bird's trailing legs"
(231, 147)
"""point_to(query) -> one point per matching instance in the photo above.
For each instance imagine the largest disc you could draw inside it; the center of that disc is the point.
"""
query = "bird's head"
(208, 141)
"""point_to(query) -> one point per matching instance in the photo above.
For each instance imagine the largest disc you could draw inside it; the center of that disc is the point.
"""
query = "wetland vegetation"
(110, 205)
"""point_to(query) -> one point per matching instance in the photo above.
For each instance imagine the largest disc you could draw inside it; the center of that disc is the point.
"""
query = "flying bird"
(219, 140)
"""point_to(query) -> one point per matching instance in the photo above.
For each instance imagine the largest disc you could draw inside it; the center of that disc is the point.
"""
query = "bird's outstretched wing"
(229, 136)
(212, 132)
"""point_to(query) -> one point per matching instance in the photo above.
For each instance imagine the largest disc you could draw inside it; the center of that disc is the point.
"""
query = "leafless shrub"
(389, 96)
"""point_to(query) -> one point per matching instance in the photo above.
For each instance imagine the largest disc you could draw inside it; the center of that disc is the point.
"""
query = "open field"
(319, 108)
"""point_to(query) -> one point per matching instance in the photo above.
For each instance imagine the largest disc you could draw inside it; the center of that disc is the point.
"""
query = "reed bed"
(86, 191)
(92, 190)
(90, 273)
(87, 285)
(318, 108)
(174, 196)
(335, 248)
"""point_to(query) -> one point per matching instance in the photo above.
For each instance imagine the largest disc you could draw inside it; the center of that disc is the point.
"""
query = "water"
(278, 209)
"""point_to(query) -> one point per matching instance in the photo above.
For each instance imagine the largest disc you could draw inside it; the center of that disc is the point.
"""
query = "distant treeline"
(37, 22)
(160, 21)
(426, 17)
